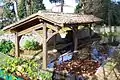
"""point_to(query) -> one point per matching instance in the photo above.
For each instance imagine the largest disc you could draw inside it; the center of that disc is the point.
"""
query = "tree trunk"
(109, 22)
(62, 4)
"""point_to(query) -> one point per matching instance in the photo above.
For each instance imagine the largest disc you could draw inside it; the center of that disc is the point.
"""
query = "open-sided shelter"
(41, 20)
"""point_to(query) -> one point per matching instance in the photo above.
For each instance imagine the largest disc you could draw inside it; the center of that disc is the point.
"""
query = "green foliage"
(31, 45)
(21, 67)
(78, 9)
(106, 9)
(6, 46)
(46, 75)
(26, 8)
(9, 13)
(1, 32)
(115, 14)
(22, 12)
(38, 5)
(1, 25)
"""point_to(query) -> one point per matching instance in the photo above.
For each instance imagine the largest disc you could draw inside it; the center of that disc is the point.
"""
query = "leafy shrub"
(31, 45)
(26, 69)
(46, 75)
(6, 46)
(20, 67)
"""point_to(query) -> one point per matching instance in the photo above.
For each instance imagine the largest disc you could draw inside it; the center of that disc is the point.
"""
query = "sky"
(117, 0)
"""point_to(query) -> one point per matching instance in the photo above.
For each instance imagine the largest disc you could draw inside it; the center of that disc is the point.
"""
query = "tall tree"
(22, 9)
(28, 7)
(98, 8)
(38, 5)
(106, 9)
(34, 6)
(9, 13)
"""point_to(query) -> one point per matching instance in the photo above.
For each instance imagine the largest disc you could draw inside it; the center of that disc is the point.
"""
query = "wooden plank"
(38, 26)
(44, 46)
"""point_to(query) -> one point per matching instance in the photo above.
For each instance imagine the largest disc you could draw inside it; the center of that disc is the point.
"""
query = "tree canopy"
(25, 8)
(8, 13)
(22, 9)
(28, 7)
(38, 5)
(104, 9)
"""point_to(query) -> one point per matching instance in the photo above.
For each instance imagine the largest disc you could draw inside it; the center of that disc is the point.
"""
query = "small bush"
(31, 45)
(6, 46)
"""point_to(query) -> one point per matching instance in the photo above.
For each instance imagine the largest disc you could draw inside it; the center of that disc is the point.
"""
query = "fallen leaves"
(78, 67)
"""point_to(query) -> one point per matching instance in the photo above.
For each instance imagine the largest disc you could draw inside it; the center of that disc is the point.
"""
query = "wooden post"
(75, 38)
(44, 46)
(17, 38)
(90, 31)
(54, 43)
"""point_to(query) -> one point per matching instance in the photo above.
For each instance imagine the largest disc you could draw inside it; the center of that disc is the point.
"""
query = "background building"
(69, 6)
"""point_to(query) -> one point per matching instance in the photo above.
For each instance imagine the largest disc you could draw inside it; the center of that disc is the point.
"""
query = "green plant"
(8, 13)
(21, 67)
(22, 11)
(24, 69)
(45, 75)
(1, 32)
(31, 45)
(6, 46)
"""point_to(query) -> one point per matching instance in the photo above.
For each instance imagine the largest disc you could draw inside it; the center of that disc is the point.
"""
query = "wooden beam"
(17, 39)
(55, 28)
(44, 46)
(90, 30)
(38, 26)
